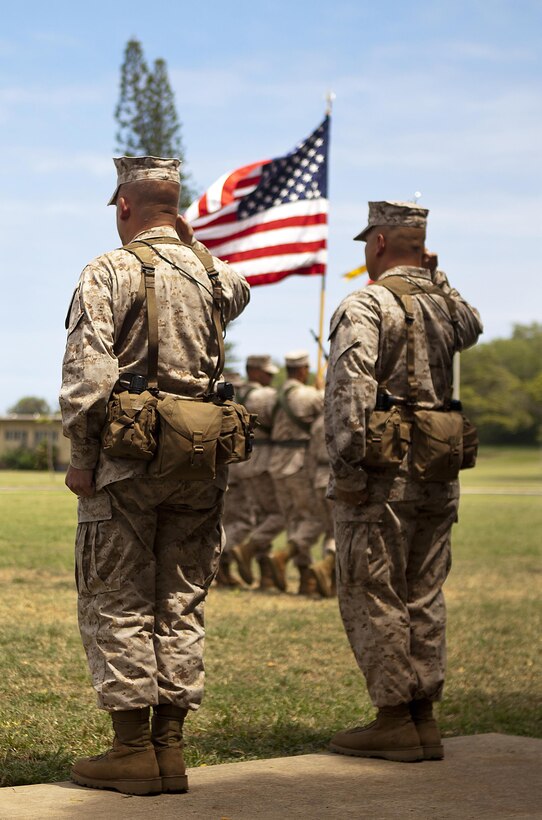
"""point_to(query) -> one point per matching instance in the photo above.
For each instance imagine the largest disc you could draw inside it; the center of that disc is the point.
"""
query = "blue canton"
(300, 175)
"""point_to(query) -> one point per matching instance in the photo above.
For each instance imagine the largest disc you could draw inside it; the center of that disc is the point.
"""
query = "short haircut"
(404, 241)
(151, 195)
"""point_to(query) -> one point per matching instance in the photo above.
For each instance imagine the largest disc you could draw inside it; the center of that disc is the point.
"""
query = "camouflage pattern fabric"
(147, 550)
(393, 551)
(258, 487)
(317, 463)
(287, 468)
(188, 348)
(239, 518)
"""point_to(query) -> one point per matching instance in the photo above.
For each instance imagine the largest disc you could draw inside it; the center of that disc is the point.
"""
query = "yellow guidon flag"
(356, 272)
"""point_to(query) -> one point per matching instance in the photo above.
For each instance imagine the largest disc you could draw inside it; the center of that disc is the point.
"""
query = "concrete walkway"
(484, 776)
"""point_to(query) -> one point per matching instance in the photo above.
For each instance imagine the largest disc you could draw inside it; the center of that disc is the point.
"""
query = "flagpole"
(330, 96)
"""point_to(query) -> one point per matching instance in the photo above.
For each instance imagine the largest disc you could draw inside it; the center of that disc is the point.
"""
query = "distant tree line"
(501, 387)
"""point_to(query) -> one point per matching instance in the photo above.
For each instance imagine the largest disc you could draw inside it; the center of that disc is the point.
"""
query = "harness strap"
(404, 290)
(144, 250)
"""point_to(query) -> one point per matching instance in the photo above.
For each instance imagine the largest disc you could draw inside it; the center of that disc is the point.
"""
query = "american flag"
(269, 219)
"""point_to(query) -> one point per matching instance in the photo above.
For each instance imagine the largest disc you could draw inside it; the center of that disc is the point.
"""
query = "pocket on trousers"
(353, 553)
(97, 551)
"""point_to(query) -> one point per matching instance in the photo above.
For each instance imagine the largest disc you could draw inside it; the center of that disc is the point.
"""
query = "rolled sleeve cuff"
(341, 488)
(85, 454)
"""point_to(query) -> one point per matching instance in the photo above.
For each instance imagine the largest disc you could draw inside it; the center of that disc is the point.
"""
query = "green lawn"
(280, 675)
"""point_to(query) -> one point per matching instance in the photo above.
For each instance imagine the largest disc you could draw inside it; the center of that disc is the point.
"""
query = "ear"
(380, 245)
(123, 208)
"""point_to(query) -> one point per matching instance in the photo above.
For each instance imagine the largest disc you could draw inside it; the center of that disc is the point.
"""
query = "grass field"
(280, 675)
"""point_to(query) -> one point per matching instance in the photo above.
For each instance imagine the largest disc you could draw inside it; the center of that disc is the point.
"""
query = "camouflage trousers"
(269, 520)
(391, 566)
(146, 552)
(239, 519)
(324, 507)
(297, 502)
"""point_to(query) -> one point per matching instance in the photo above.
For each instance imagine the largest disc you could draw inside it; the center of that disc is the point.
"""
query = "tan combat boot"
(307, 583)
(324, 572)
(224, 578)
(266, 577)
(167, 737)
(130, 766)
(426, 726)
(277, 565)
(243, 555)
(392, 736)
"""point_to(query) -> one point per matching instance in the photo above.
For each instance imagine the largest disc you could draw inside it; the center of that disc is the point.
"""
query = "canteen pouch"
(386, 442)
(236, 433)
(187, 445)
(437, 445)
(470, 444)
(130, 430)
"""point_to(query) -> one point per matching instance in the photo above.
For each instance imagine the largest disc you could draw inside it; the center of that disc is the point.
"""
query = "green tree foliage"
(501, 387)
(30, 405)
(146, 115)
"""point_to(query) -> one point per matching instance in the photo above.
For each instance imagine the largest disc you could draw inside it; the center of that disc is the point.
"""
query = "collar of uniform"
(292, 382)
(406, 270)
(160, 230)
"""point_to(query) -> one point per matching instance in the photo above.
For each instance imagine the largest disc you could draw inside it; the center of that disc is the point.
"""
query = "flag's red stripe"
(289, 222)
(202, 207)
(245, 183)
(220, 220)
(276, 250)
(235, 178)
(277, 276)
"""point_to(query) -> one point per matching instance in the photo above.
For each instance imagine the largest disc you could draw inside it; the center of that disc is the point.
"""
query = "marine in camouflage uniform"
(238, 518)
(147, 548)
(319, 472)
(393, 535)
(298, 406)
(259, 491)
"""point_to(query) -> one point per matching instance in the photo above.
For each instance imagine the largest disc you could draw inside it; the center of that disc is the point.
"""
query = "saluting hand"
(184, 229)
(430, 260)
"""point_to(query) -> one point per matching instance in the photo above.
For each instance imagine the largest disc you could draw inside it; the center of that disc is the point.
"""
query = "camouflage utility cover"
(135, 169)
(394, 214)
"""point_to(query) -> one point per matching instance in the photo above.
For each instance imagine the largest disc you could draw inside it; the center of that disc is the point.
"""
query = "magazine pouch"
(236, 433)
(387, 440)
(130, 430)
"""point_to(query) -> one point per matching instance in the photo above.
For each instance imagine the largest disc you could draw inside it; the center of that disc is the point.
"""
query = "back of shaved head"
(149, 197)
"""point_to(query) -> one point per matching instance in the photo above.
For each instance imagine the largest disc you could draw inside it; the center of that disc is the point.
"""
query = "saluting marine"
(395, 443)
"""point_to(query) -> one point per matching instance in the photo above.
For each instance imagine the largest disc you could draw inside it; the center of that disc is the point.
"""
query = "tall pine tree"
(146, 115)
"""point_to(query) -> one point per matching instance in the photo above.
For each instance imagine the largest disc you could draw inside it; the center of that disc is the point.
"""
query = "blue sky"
(439, 97)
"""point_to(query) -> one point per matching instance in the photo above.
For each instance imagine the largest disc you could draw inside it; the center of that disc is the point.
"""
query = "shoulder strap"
(147, 294)
(207, 261)
(404, 290)
(144, 250)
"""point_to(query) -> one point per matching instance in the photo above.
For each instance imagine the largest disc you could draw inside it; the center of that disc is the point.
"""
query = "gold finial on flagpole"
(330, 98)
